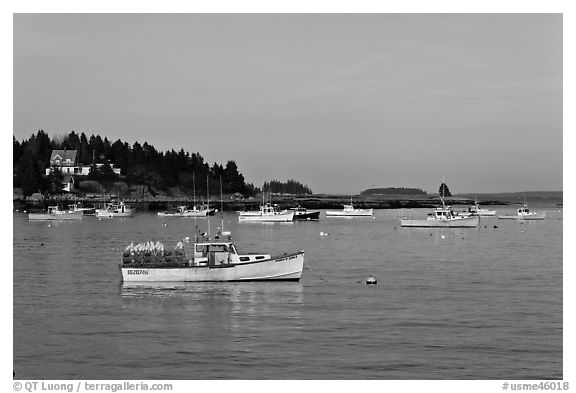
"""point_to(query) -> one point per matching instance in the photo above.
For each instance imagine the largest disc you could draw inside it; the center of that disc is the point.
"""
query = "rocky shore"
(235, 203)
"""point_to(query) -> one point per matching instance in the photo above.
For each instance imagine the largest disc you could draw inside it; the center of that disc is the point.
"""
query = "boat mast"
(194, 208)
(208, 201)
(221, 206)
(443, 186)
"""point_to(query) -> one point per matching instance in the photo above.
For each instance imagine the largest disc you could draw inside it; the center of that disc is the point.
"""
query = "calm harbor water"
(481, 303)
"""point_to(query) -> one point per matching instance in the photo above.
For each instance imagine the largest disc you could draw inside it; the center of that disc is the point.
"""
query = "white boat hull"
(458, 222)
(185, 214)
(355, 213)
(258, 217)
(57, 217)
(532, 216)
(282, 268)
(108, 214)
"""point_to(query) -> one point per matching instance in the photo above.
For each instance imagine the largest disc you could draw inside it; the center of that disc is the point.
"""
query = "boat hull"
(277, 217)
(108, 214)
(55, 217)
(464, 222)
(187, 214)
(535, 216)
(281, 268)
(307, 216)
(355, 213)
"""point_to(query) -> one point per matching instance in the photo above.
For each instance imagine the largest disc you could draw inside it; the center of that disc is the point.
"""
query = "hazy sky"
(340, 102)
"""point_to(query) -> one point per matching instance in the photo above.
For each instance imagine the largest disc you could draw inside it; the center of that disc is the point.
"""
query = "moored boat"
(183, 211)
(475, 210)
(206, 261)
(77, 207)
(115, 210)
(267, 213)
(442, 217)
(350, 211)
(302, 214)
(54, 213)
(524, 213)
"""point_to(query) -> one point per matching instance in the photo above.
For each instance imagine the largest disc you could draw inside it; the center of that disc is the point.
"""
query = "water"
(481, 303)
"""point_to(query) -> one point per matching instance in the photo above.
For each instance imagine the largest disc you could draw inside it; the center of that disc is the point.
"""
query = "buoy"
(49, 225)
(41, 244)
(371, 280)
(495, 226)
(443, 237)
(324, 234)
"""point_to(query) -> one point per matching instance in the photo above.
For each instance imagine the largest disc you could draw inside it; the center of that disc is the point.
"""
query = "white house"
(65, 161)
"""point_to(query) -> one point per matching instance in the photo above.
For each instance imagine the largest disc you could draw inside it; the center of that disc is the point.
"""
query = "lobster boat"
(206, 261)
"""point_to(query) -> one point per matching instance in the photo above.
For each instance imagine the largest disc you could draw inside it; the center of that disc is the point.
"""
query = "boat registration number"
(137, 271)
(286, 259)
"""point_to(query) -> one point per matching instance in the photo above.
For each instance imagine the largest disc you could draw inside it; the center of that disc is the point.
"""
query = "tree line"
(289, 187)
(139, 163)
(393, 191)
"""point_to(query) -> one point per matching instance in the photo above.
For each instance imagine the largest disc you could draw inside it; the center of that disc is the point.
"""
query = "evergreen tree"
(444, 191)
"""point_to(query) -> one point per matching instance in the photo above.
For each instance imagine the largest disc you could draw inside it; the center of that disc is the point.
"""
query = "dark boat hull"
(307, 216)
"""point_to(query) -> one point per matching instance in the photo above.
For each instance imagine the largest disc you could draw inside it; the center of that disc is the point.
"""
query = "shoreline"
(320, 201)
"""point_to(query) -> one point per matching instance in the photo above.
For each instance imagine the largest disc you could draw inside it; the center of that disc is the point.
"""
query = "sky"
(340, 102)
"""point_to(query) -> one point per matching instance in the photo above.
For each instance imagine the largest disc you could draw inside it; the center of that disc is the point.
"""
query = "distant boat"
(442, 217)
(183, 211)
(115, 210)
(475, 210)
(267, 213)
(349, 211)
(524, 213)
(302, 214)
(77, 207)
(54, 213)
(208, 261)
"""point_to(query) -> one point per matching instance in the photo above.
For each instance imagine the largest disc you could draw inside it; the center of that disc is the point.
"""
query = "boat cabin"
(269, 209)
(474, 209)
(54, 210)
(523, 210)
(442, 213)
(222, 253)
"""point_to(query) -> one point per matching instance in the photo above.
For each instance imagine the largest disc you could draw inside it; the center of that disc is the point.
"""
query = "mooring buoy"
(371, 280)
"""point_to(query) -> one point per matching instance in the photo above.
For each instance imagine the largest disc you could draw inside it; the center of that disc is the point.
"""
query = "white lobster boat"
(206, 261)
(182, 211)
(115, 210)
(267, 213)
(54, 213)
(475, 210)
(524, 214)
(442, 217)
(350, 211)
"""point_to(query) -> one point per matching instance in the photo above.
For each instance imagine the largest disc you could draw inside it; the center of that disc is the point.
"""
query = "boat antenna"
(221, 206)
(194, 208)
(208, 201)
(443, 186)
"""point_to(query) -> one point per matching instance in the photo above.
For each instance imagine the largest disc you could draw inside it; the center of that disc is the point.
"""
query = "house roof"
(64, 155)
